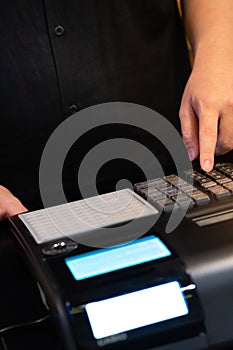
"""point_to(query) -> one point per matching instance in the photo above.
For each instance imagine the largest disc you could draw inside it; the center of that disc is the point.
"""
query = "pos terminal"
(136, 294)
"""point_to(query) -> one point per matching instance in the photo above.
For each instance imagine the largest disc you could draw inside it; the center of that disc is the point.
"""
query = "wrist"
(213, 51)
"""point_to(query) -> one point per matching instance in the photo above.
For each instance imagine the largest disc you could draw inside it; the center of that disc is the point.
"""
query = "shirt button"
(73, 108)
(59, 30)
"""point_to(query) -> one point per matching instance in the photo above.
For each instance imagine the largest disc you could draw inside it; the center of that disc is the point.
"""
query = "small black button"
(60, 247)
(73, 108)
(59, 30)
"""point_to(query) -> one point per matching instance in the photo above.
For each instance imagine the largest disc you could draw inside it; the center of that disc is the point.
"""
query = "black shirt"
(60, 56)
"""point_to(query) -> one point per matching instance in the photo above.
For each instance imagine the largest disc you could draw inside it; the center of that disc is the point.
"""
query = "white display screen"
(138, 309)
(111, 259)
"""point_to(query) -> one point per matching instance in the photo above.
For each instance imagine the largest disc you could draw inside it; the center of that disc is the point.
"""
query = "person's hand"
(206, 111)
(9, 204)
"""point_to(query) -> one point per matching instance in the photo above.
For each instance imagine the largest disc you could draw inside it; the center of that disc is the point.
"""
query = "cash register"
(112, 277)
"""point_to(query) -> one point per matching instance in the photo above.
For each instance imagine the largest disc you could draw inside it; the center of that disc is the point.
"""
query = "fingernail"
(208, 165)
(191, 154)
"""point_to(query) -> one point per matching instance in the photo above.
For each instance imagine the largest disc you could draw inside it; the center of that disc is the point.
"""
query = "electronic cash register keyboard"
(200, 190)
(164, 193)
(80, 284)
(202, 193)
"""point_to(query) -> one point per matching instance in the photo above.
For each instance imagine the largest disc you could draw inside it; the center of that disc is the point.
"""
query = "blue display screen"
(106, 260)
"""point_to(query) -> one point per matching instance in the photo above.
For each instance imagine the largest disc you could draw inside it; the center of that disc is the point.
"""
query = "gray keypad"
(196, 188)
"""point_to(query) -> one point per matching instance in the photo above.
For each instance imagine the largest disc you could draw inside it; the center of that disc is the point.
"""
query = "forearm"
(209, 25)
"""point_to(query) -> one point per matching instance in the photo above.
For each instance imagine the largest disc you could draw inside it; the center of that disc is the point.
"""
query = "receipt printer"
(134, 295)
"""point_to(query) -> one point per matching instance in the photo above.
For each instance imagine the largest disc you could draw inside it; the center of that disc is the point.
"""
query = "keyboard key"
(208, 184)
(223, 180)
(182, 200)
(172, 192)
(219, 192)
(188, 188)
(156, 196)
(200, 197)
(166, 204)
(229, 186)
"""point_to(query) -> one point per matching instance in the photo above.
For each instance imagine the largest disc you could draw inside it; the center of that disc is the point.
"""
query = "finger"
(189, 128)
(225, 134)
(208, 131)
(16, 207)
(11, 208)
(9, 204)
